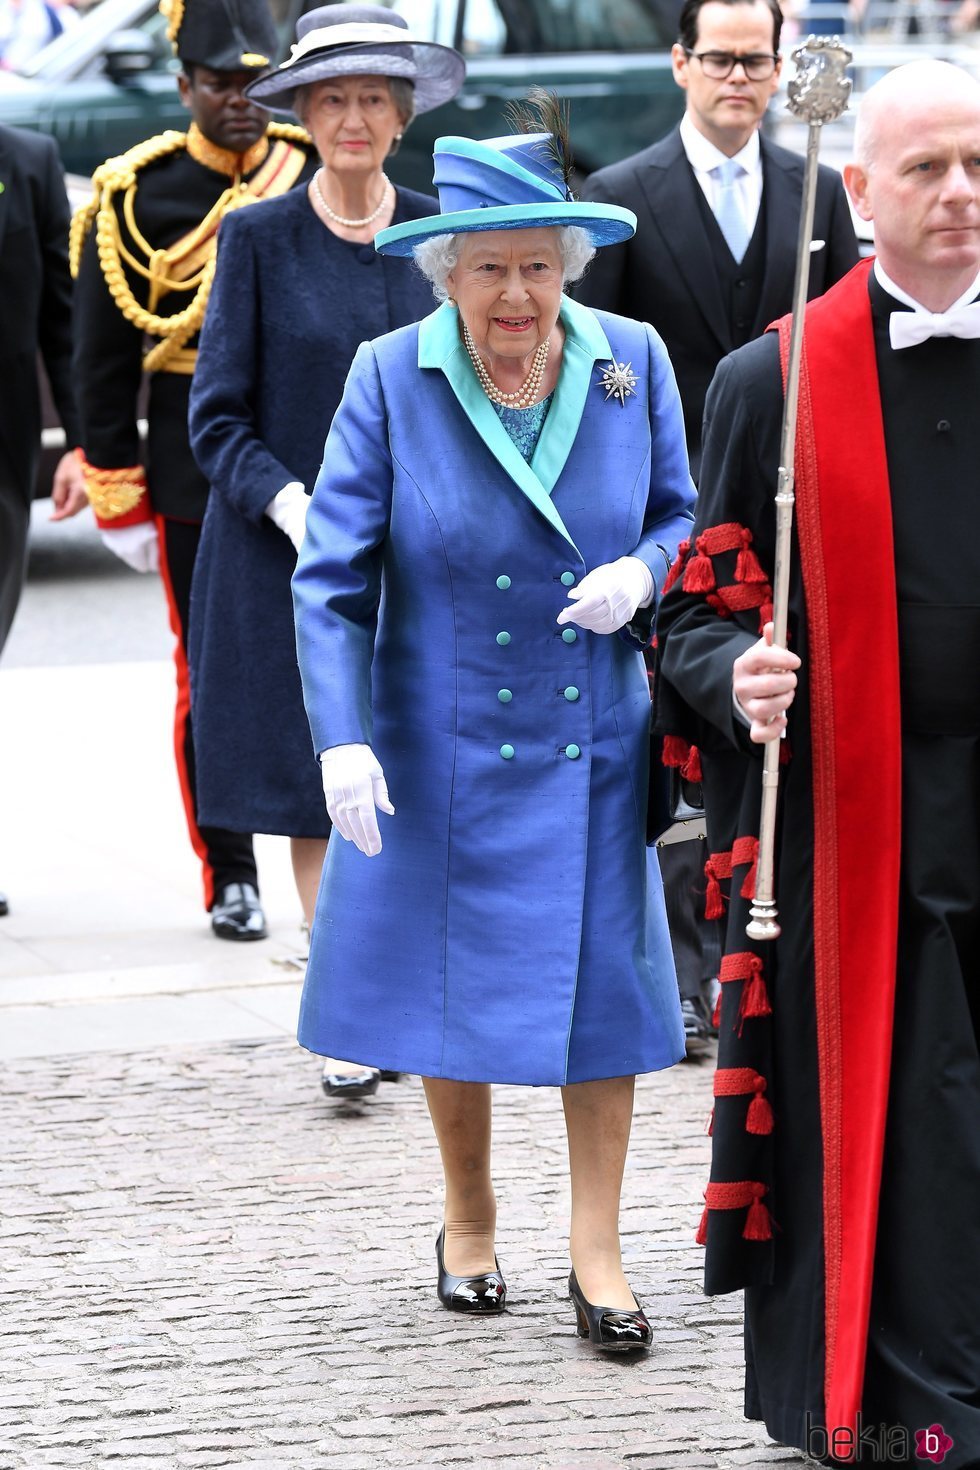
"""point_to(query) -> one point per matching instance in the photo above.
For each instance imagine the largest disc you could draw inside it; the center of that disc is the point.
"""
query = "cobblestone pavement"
(205, 1263)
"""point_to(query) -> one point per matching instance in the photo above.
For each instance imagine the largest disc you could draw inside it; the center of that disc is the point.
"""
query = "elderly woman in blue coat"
(503, 488)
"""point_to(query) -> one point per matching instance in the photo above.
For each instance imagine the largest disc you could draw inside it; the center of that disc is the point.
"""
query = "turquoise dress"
(524, 425)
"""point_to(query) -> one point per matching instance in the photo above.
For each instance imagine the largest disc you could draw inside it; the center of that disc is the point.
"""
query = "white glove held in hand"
(607, 598)
(137, 546)
(354, 786)
(288, 511)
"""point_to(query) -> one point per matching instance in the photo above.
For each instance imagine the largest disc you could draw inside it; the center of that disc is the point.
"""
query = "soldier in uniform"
(143, 252)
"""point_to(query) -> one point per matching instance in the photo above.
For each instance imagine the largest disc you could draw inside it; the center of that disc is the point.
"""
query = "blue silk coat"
(512, 928)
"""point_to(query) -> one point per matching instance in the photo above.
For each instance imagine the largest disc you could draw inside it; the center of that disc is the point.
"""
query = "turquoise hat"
(512, 183)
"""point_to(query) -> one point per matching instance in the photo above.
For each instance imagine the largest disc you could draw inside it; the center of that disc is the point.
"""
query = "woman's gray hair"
(402, 95)
(438, 257)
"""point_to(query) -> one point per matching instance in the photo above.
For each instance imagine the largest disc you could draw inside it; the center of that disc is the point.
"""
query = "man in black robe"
(845, 1181)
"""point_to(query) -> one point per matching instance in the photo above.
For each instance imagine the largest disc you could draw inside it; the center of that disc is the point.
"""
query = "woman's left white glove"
(288, 511)
(607, 598)
(354, 786)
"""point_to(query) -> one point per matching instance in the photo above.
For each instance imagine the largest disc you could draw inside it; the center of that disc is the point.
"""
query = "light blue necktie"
(728, 212)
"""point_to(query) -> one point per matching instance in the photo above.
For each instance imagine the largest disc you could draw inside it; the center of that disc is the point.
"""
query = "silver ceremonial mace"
(817, 94)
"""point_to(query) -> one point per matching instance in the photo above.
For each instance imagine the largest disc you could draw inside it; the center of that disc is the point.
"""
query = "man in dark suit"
(35, 316)
(710, 266)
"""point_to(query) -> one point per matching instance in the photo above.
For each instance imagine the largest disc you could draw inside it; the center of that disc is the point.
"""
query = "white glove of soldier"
(288, 511)
(137, 546)
(354, 786)
(608, 597)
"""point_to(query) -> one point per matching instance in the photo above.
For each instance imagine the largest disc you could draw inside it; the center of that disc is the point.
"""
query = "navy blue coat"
(291, 303)
(512, 928)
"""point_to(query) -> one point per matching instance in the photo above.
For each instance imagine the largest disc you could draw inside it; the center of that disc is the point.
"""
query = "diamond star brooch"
(619, 381)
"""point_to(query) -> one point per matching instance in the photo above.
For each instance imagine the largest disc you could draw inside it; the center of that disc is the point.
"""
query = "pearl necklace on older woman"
(319, 201)
(523, 396)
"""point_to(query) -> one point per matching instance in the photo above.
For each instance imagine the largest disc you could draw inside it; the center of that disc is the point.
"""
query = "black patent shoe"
(387, 1076)
(350, 1085)
(486, 1294)
(609, 1329)
(237, 913)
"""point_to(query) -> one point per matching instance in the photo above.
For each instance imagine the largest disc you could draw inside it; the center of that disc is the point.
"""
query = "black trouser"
(226, 857)
(694, 939)
(15, 519)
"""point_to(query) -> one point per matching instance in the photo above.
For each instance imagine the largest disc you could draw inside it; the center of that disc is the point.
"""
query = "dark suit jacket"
(35, 302)
(665, 275)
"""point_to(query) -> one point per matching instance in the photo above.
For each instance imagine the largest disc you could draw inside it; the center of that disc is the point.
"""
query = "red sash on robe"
(844, 523)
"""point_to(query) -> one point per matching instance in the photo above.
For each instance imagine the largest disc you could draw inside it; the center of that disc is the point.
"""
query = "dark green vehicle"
(109, 81)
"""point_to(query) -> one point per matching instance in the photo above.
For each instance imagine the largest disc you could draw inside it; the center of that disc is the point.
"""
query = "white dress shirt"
(704, 156)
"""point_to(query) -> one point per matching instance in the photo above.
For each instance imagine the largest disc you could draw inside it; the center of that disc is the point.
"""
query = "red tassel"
(691, 769)
(747, 889)
(676, 567)
(765, 615)
(675, 751)
(758, 1225)
(716, 1013)
(713, 906)
(702, 1236)
(755, 996)
(759, 1117)
(747, 568)
(699, 574)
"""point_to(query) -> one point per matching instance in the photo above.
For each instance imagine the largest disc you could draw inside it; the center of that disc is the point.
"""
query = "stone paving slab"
(205, 1263)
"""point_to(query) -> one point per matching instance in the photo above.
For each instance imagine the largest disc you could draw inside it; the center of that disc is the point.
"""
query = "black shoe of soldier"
(237, 913)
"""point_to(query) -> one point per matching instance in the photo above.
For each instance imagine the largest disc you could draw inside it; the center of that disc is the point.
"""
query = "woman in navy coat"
(298, 287)
(503, 489)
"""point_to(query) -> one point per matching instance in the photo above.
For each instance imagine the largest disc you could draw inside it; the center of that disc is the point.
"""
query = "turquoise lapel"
(440, 347)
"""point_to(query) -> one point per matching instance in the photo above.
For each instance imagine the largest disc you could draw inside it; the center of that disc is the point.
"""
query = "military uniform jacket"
(507, 931)
(175, 194)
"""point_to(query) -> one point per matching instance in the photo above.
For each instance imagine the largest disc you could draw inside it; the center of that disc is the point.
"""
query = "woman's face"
(507, 285)
(353, 122)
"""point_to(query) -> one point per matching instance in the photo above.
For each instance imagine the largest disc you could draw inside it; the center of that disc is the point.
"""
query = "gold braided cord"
(113, 493)
(173, 13)
(119, 175)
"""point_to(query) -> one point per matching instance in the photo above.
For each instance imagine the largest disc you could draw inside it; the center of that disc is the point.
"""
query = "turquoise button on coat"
(507, 751)
(573, 752)
(503, 583)
(568, 579)
(511, 929)
(571, 694)
(503, 639)
(505, 696)
(569, 635)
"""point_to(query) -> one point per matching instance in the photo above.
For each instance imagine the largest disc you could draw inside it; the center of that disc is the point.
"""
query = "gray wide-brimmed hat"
(361, 40)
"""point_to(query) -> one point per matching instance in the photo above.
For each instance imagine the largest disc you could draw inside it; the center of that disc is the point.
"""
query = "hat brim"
(605, 224)
(436, 72)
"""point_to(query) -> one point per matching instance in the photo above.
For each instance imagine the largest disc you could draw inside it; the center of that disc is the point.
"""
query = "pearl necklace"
(339, 219)
(523, 396)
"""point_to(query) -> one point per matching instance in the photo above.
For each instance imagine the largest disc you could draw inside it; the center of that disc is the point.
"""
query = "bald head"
(889, 109)
(917, 178)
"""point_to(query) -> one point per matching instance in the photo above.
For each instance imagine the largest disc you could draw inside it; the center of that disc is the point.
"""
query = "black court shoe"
(486, 1294)
(351, 1085)
(609, 1329)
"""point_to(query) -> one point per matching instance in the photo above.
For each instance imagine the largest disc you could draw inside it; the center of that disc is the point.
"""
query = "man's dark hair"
(688, 25)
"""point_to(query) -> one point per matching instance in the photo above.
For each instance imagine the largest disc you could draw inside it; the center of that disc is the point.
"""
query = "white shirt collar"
(703, 156)
(887, 284)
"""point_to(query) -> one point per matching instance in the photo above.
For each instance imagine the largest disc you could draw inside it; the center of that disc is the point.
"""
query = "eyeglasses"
(717, 65)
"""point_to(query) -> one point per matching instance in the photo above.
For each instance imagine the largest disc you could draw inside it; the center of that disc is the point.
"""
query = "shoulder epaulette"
(115, 174)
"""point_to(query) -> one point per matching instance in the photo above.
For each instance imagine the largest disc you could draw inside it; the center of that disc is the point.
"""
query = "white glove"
(607, 598)
(138, 546)
(288, 511)
(354, 785)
